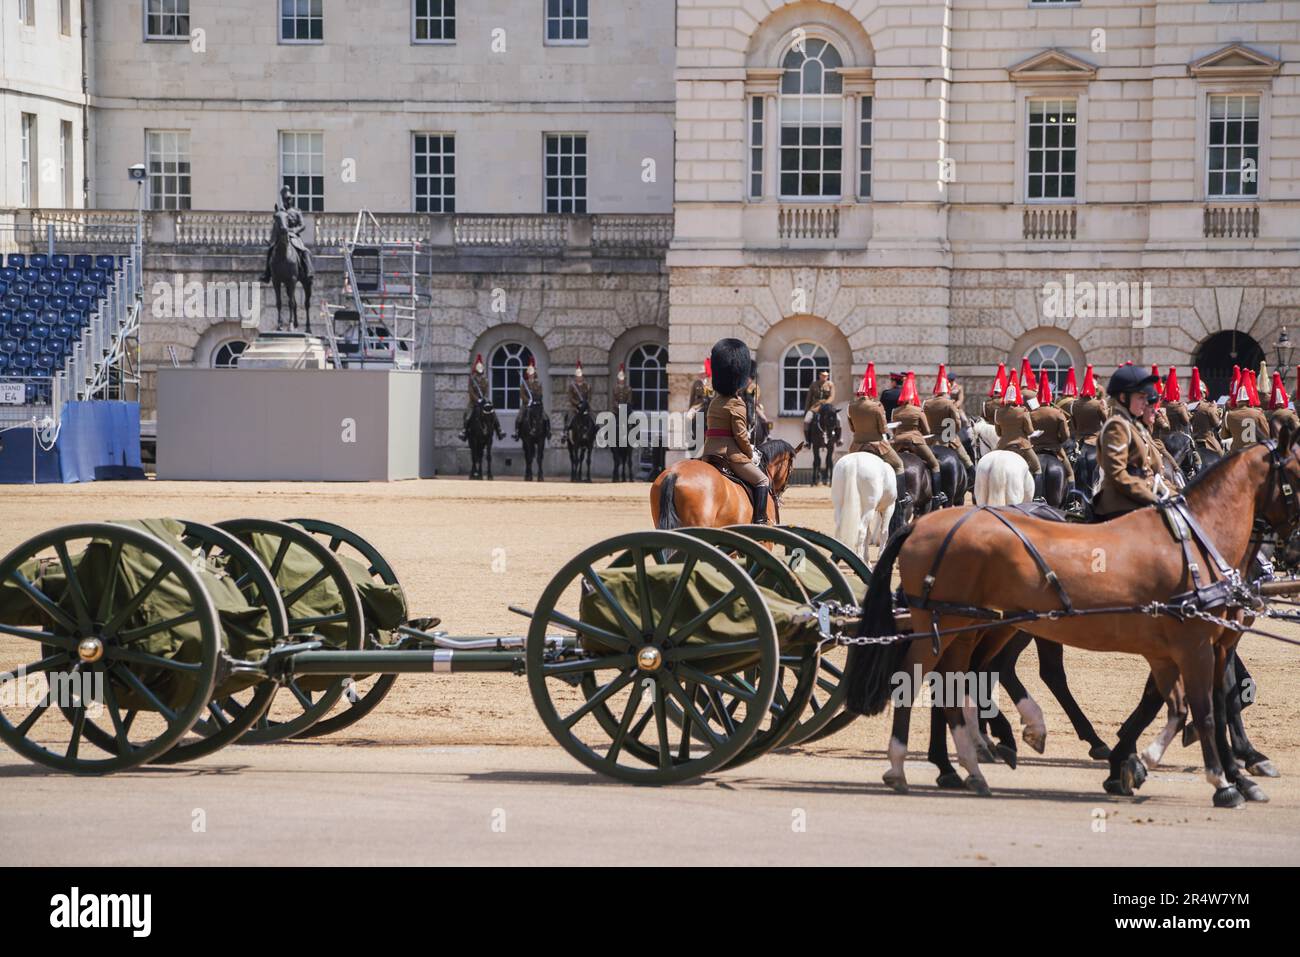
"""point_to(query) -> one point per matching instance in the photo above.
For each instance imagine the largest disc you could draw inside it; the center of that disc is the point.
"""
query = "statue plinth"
(284, 350)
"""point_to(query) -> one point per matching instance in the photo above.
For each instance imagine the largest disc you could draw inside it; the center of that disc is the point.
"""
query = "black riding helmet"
(1133, 379)
(729, 361)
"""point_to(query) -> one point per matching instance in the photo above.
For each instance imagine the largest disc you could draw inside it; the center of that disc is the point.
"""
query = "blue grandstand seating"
(31, 274)
(17, 260)
(38, 260)
(61, 260)
(108, 263)
(82, 261)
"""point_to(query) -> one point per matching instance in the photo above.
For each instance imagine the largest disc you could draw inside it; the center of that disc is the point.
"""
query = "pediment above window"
(1054, 65)
(1234, 60)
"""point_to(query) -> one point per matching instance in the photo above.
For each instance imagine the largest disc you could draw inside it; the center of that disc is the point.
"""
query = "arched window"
(812, 122)
(799, 368)
(227, 355)
(647, 377)
(506, 368)
(1052, 361)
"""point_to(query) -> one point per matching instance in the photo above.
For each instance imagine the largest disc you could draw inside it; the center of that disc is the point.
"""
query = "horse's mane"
(1204, 474)
(774, 448)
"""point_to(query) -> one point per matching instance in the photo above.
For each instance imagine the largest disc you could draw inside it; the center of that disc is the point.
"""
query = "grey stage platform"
(295, 425)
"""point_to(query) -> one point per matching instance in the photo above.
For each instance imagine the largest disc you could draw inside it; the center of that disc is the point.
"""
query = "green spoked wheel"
(361, 693)
(320, 600)
(857, 571)
(226, 557)
(677, 615)
(102, 622)
(824, 579)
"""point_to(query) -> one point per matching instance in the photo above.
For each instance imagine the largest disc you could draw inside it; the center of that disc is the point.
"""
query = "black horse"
(954, 480)
(580, 436)
(479, 431)
(533, 428)
(1181, 448)
(1085, 469)
(916, 480)
(286, 273)
(1056, 490)
(759, 429)
(620, 449)
(824, 435)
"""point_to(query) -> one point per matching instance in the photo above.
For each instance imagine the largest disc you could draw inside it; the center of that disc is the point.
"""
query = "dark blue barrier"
(98, 441)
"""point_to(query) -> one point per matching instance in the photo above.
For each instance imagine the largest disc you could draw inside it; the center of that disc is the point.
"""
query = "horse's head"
(1281, 504)
(280, 224)
(778, 462)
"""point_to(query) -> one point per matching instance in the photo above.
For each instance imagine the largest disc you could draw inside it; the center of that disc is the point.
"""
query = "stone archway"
(1216, 356)
(774, 346)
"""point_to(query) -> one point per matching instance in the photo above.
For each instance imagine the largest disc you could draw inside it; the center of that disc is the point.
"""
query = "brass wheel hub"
(649, 658)
(90, 649)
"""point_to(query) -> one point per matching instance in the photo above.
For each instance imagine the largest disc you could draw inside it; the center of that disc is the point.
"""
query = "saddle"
(721, 465)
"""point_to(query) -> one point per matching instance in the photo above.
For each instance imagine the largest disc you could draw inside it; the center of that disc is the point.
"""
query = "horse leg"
(1031, 715)
(1127, 773)
(938, 753)
(1244, 785)
(1051, 669)
(1237, 684)
(1198, 665)
(306, 304)
(487, 454)
(1176, 703)
(279, 308)
(918, 660)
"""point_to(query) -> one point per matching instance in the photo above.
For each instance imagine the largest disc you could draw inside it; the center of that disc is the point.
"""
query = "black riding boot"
(760, 504)
(1038, 488)
(904, 499)
(937, 498)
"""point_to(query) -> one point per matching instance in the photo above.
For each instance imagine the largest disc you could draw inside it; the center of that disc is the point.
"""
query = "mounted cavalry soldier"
(957, 393)
(1087, 414)
(306, 269)
(889, 398)
(1127, 456)
(622, 391)
(1207, 417)
(1065, 401)
(913, 429)
(726, 435)
(871, 431)
(480, 390)
(1051, 428)
(579, 393)
(944, 416)
(1280, 414)
(820, 393)
(1245, 422)
(530, 386)
(1015, 427)
(1180, 419)
(701, 390)
(996, 391)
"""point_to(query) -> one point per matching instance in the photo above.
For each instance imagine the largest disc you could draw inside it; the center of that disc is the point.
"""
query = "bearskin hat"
(730, 361)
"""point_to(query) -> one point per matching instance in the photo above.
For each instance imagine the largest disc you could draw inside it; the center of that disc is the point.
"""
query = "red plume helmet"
(908, 395)
(1254, 389)
(1012, 395)
(1172, 392)
(1089, 389)
(1027, 375)
(999, 385)
(1196, 392)
(1233, 386)
(1160, 388)
(708, 367)
(941, 383)
(1277, 398)
(1071, 386)
(1044, 389)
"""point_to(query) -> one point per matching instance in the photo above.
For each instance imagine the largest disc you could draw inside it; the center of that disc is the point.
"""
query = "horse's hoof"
(1149, 757)
(950, 780)
(1035, 738)
(1264, 769)
(1099, 752)
(1116, 788)
(984, 754)
(1228, 797)
(1008, 755)
(1133, 773)
(896, 780)
(1252, 791)
(977, 785)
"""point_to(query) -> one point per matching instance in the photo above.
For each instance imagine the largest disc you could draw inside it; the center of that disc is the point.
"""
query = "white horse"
(983, 438)
(1003, 478)
(863, 492)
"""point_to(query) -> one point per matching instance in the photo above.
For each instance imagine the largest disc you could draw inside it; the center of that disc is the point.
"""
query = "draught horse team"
(1123, 520)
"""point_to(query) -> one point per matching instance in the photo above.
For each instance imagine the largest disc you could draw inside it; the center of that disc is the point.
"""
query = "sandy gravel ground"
(464, 551)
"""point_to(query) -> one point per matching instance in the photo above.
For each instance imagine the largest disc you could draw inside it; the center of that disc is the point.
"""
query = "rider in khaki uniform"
(726, 436)
(622, 391)
(1065, 401)
(913, 427)
(821, 392)
(990, 411)
(1053, 425)
(871, 431)
(1127, 457)
(756, 396)
(479, 388)
(1281, 415)
(579, 393)
(944, 416)
(1207, 417)
(1180, 419)
(1088, 414)
(957, 392)
(1245, 421)
(1014, 430)
(701, 390)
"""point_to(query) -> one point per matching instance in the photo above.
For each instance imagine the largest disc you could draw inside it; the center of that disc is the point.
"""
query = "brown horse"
(694, 493)
(1124, 564)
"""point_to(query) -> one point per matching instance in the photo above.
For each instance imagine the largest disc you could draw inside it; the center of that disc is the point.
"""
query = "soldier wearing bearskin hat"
(726, 428)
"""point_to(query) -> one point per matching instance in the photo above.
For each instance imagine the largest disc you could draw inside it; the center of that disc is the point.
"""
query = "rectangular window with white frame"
(1232, 160)
(1051, 170)
(27, 159)
(302, 168)
(434, 162)
(435, 21)
(812, 125)
(169, 169)
(302, 21)
(566, 21)
(65, 162)
(566, 172)
(167, 19)
(756, 148)
(864, 148)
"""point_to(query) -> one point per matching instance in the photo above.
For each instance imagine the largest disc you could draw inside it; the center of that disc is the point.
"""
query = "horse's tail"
(868, 675)
(846, 499)
(667, 506)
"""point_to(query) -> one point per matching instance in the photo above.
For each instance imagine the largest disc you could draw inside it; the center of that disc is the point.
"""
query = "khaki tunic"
(1013, 426)
(1283, 418)
(819, 393)
(622, 395)
(867, 423)
(1066, 403)
(1055, 426)
(1207, 420)
(990, 411)
(479, 388)
(910, 435)
(1246, 426)
(1087, 416)
(530, 390)
(1128, 460)
(957, 393)
(1179, 417)
(579, 392)
(727, 413)
(940, 410)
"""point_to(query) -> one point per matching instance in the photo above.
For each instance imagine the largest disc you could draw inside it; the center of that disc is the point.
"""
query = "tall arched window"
(647, 377)
(812, 122)
(506, 368)
(1052, 361)
(799, 368)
